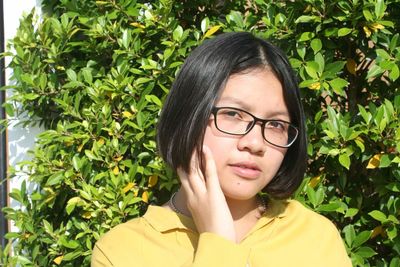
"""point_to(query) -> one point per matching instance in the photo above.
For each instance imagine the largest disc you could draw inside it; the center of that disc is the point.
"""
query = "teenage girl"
(232, 127)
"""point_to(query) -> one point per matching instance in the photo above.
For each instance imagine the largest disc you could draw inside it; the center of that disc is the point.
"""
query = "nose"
(253, 141)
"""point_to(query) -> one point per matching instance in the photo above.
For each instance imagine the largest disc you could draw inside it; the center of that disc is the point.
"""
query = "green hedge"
(95, 74)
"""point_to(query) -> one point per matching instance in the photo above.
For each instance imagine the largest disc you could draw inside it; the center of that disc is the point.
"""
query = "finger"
(196, 177)
(210, 169)
(194, 166)
(184, 178)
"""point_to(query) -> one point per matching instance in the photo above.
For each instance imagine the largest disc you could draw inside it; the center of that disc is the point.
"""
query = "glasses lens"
(233, 121)
(280, 133)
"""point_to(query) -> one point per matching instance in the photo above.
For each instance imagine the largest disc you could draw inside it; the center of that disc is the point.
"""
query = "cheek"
(211, 141)
(218, 146)
(276, 157)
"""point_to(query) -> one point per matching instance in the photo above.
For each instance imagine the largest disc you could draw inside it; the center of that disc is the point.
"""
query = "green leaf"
(385, 161)
(43, 81)
(378, 215)
(338, 84)
(312, 69)
(72, 255)
(365, 252)
(55, 178)
(301, 51)
(305, 36)
(306, 19)
(87, 76)
(204, 24)
(344, 160)
(295, 63)
(334, 206)
(331, 32)
(344, 31)
(47, 227)
(365, 114)
(72, 244)
(311, 196)
(90, 155)
(349, 234)
(393, 43)
(367, 15)
(382, 54)
(361, 238)
(153, 99)
(30, 96)
(178, 32)
(320, 61)
(335, 67)
(360, 144)
(71, 75)
(351, 212)
(9, 109)
(237, 18)
(380, 8)
(392, 231)
(395, 187)
(395, 262)
(394, 73)
(374, 71)
(24, 261)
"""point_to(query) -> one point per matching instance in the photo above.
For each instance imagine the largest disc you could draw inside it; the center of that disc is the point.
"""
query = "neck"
(240, 209)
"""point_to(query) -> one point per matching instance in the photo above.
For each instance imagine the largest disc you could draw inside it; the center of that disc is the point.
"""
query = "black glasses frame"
(263, 122)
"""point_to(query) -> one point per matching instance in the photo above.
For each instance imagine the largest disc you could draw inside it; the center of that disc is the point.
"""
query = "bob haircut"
(199, 84)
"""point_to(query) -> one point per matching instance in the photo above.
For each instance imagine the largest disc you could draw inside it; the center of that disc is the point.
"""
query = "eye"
(279, 125)
(231, 114)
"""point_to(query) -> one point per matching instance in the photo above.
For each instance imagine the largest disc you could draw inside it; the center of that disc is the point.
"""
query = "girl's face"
(247, 163)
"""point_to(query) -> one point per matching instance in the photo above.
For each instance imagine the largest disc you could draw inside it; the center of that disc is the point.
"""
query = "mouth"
(247, 170)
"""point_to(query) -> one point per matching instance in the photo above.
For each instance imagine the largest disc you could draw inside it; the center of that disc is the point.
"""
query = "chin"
(242, 195)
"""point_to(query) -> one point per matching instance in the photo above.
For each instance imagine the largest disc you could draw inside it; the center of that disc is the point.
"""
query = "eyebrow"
(245, 106)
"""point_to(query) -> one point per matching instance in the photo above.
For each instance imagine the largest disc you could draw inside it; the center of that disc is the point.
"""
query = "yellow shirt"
(287, 235)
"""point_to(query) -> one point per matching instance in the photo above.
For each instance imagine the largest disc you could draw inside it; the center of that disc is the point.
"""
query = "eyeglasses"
(236, 121)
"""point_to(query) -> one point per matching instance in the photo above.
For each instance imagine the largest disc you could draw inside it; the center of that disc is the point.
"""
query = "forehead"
(258, 91)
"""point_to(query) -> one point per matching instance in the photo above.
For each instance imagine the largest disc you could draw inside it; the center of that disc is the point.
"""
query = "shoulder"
(297, 211)
(147, 228)
(118, 243)
(312, 238)
(122, 234)
(302, 221)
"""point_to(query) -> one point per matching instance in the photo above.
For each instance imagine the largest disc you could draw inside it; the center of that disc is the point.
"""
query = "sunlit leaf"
(211, 31)
(374, 161)
(58, 260)
(152, 180)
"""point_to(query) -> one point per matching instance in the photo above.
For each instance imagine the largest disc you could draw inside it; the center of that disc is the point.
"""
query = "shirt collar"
(162, 219)
(275, 209)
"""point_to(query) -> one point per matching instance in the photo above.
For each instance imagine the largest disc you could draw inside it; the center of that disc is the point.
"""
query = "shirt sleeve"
(216, 251)
(99, 259)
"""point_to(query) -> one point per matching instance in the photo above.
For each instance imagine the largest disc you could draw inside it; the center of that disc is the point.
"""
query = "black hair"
(200, 82)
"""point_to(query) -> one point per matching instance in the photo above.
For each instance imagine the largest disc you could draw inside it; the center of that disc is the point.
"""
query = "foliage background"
(95, 74)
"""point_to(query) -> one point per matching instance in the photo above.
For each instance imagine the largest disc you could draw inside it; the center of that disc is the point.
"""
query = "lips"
(247, 170)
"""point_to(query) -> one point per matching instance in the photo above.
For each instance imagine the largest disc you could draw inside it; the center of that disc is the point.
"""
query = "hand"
(205, 199)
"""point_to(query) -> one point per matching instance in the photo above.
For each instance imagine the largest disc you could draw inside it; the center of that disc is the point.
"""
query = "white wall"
(20, 139)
